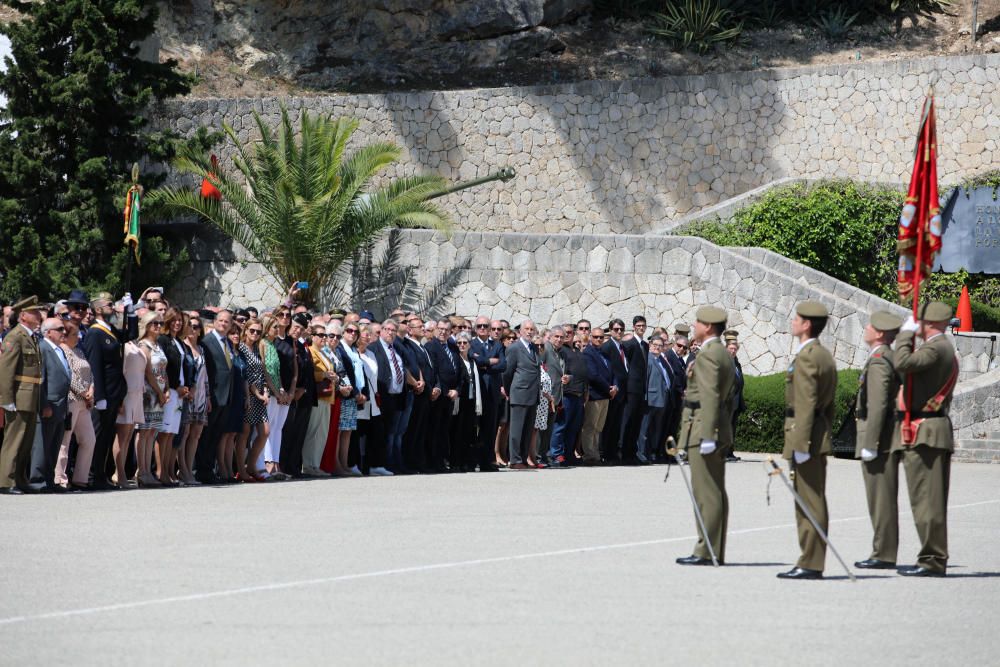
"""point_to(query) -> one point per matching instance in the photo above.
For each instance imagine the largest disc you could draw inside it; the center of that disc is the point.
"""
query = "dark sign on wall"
(971, 236)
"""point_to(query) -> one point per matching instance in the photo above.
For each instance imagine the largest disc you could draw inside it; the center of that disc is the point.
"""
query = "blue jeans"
(567, 426)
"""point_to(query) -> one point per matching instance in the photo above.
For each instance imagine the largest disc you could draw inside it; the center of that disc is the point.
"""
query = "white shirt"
(62, 356)
(802, 345)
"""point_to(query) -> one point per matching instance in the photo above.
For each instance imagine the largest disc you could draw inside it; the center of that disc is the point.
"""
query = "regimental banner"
(971, 237)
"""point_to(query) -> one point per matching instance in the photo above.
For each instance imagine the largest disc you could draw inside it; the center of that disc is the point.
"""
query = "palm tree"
(302, 206)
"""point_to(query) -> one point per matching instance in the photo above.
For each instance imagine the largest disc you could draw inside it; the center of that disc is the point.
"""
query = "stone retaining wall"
(624, 156)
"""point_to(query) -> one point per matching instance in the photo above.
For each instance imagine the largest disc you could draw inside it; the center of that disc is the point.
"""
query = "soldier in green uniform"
(875, 413)
(706, 432)
(928, 373)
(20, 384)
(810, 386)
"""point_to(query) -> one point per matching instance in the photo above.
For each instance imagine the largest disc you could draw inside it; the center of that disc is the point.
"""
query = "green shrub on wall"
(762, 427)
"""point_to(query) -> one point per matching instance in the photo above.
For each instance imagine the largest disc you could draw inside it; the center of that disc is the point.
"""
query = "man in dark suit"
(391, 392)
(103, 347)
(424, 389)
(739, 406)
(487, 352)
(521, 386)
(445, 360)
(601, 388)
(218, 364)
(53, 407)
(636, 356)
(613, 351)
(678, 376)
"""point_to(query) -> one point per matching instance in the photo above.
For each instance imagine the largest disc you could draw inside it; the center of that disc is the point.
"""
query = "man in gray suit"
(657, 397)
(521, 386)
(554, 365)
(54, 406)
(219, 365)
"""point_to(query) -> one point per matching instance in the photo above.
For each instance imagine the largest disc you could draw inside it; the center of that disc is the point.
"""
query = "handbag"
(325, 388)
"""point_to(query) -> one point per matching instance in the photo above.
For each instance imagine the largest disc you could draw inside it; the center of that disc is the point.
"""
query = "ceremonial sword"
(672, 450)
(805, 510)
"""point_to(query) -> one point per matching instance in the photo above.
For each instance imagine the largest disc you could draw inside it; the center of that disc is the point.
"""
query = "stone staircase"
(985, 450)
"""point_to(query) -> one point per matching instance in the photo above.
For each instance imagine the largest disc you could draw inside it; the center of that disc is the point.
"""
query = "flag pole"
(131, 242)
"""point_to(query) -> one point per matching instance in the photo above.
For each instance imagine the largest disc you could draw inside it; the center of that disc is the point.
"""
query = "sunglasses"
(462, 343)
(319, 335)
(681, 347)
(255, 332)
(598, 336)
(283, 316)
(195, 325)
(583, 328)
(158, 323)
(352, 330)
(59, 329)
(617, 328)
(462, 327)
(333, 335)
(482, 326)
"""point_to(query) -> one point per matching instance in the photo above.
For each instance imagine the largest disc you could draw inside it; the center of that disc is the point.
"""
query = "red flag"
(209, 191)
(920, 222)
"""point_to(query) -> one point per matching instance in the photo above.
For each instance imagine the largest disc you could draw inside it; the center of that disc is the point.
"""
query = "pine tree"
(78, 96)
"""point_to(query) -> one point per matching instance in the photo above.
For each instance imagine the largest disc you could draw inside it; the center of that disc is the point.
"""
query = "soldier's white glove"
(127, 303)
(101, 405)
(10, 407)
(910, 324)
(801, 457)
(707, 446)
(868, 455)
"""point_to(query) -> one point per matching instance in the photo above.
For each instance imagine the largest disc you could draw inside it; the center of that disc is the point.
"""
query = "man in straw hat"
(875, 416)
(929, 373)
(809, 392)
(20, 386)
(706, 433)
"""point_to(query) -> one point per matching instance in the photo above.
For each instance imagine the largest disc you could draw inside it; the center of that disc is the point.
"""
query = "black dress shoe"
(732, 458)
(694, 560)
(11, 491)
(800, 573)
(103, 485)
(874, 564)
(488, 467)
(917, 571)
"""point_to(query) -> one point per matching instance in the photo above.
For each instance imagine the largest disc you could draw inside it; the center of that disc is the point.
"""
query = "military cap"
(885, 321)
(102, 296)
(710, 315)
(731, 336)
(935, 311)
(812, 309)
(682, 329)
(28, 303)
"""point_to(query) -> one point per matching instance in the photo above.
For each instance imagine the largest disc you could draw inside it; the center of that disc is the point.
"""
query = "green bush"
(762, 427)
(695, 24)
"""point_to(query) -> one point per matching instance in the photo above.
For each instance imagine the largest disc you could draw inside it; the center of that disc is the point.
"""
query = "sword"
(679, 455)
(805, 510)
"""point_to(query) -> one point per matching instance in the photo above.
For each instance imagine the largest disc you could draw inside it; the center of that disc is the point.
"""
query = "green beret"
(885, 321)
(812, 309)
(710, 315)
(935, 311)
(731, 336)
(682, 329)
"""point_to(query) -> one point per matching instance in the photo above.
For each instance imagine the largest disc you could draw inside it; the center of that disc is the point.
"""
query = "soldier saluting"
(810, 386)
(875, 413)
(928, 374)
(20, 387)
(706, 433)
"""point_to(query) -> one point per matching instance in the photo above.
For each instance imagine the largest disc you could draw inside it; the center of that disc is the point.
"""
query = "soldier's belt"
(900, 414)
(28, 378)
(694, 405)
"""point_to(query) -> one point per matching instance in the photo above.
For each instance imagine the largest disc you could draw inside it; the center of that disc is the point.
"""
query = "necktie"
(397, 372)
(451, 358)
(621, 353)
(65, 361)
(225, 350)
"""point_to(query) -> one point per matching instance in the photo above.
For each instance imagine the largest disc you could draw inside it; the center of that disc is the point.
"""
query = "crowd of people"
(104, 394)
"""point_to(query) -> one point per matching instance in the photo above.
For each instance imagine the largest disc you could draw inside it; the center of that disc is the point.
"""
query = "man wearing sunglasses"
(675, 354)
(488, 354)
(611, 437)
(54, 406)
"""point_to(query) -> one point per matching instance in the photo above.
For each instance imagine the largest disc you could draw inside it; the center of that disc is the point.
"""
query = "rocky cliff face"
(349, 43)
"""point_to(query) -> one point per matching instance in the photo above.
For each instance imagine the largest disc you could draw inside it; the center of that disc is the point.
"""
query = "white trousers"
(276, 415)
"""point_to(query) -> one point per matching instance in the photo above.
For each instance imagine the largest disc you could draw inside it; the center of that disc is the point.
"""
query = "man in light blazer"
(521, 386)
(657, 397)
(53, 407)
(219, 365)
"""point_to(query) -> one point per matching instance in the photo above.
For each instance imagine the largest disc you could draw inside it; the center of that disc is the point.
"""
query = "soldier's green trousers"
(881, 476)
(810, 484)
(708, 481)
(928, 473)
(15, 455)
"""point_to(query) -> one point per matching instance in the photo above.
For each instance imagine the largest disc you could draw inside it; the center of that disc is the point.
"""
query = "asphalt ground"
(536, 567)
